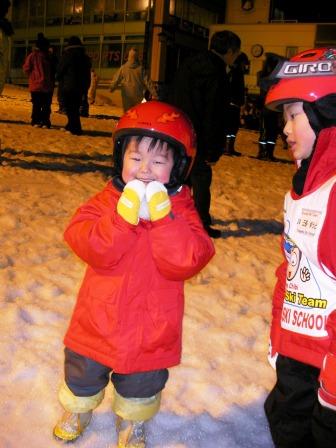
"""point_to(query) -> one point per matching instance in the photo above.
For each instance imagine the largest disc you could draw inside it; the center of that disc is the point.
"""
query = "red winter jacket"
(129, 308)
(37, 67)
(301, 347)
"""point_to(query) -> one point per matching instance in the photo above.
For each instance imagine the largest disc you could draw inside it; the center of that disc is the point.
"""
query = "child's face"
(146, 164)
(300, 135)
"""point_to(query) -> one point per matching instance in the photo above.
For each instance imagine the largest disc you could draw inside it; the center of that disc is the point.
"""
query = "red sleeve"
(180, 245)
(327, 245)
(278, 298)
(327, 256)
(97, 234)
(27, 65)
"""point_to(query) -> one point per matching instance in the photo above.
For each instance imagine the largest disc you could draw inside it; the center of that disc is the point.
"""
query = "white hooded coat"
(133, 81)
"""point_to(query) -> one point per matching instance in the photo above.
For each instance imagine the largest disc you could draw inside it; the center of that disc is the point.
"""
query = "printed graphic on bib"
(304, 310)
(308, 221)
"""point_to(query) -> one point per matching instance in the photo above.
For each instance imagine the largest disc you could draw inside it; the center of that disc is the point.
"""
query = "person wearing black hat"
(74, 77)
(6, 31)
(37, 67)
(201, 88)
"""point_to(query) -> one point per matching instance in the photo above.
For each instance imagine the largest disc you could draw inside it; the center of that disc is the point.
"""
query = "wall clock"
(257, 50)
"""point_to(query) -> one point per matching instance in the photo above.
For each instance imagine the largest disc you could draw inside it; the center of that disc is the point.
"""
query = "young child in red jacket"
(141, 238)
(301, 408)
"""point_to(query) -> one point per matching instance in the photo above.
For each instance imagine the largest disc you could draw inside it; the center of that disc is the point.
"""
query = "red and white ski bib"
(310, 288)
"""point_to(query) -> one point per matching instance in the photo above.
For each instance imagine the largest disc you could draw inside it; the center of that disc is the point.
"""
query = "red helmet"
(159, 120)
(308, 76)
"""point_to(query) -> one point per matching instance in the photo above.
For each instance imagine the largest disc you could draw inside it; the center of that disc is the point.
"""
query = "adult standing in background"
(6, 30)
(237, 91)
(74, 77)
(133, 81)
(269, 119)
(202, 90)
(37, 66)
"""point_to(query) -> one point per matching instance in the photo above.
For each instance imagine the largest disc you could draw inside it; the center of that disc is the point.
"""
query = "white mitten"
(129, 202)
(158, 200)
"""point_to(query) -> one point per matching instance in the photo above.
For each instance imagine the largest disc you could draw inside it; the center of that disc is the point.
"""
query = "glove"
(129, 203)
(327, 390)
(158, 200)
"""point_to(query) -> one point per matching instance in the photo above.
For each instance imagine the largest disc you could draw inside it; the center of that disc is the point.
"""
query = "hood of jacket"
(132, 59)
(323, 163)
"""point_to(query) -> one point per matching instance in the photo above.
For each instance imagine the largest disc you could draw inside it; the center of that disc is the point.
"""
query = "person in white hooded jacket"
(133, 81)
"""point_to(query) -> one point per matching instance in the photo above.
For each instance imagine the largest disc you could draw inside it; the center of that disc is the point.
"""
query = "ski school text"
(302, 319)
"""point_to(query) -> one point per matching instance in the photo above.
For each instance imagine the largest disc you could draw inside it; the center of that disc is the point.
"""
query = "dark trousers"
(85, 378)
(269, 126)
(84, 107)
(72, 104)
(41, 108)
(200, 182)
(296, 418)
(233, 120)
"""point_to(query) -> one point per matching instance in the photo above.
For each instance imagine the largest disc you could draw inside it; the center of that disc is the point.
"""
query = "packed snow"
(214, 398)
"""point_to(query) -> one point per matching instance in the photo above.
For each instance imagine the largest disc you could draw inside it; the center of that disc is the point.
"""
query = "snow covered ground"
(215, 397)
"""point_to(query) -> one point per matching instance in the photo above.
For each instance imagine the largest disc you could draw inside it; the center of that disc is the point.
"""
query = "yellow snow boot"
(132, 413)
(71, 425)
(77, 415)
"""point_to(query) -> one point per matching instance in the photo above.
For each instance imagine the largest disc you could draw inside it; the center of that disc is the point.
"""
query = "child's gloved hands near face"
(159, 204)
(135, 191)
(129, 202)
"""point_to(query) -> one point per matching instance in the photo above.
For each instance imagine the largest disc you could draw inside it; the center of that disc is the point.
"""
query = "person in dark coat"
(74, 76)
(237, 100)
(201, 89)
(270, 120)
(38, 68)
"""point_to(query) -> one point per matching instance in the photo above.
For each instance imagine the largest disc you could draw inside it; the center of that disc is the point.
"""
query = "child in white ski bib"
(301, 408)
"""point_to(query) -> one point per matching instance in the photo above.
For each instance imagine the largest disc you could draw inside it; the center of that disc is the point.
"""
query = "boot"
(262, 154)
(270, 146)
(71, 425)
(229, 147)
(131, 415)
(77, 414)
(131, 433)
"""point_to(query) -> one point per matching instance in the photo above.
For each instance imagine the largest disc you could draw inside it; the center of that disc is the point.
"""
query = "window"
(92, 48)
(111, 55)
(137, 5)
(114, 10)
(36, 13)
(18, 55)
(20, 13)
(93, 11)
(112, 6)
(73, 12)
(54, 13)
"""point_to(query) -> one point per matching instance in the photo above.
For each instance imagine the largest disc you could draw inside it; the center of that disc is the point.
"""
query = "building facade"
(108, 28)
